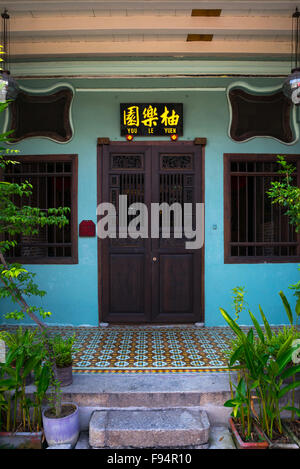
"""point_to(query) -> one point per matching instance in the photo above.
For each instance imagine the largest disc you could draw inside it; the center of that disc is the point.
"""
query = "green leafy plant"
(63, 349)
(263, 362)
(241, 403)
(239, 302)
(25, 356)
(23, 340)
(285, 193)
(275, 341)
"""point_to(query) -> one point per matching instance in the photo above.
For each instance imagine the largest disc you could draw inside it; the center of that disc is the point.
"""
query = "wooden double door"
(149, 280)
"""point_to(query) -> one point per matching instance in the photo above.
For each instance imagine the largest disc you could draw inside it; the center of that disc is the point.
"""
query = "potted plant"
(263, 370)
(21, 415)
(244, 428)
(60, 419)
(291, 426)
(62, 349)
(245, 431)
(22, 421)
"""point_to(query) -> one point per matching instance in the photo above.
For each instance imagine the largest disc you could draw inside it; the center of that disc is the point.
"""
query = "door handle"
(154, 259)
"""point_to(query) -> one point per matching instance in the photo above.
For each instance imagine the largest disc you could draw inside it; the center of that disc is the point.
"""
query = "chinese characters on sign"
(161, 119)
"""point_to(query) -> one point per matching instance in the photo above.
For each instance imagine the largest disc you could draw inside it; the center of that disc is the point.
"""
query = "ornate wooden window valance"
(260, 115)
(42, 116)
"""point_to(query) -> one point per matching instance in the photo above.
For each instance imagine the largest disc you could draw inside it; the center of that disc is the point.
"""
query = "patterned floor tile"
(147, 349)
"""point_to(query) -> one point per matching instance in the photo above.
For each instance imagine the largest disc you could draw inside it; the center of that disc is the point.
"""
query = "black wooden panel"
(176, 283)
(42, 116)
(127, 283)
(260, 115)
(151, 119)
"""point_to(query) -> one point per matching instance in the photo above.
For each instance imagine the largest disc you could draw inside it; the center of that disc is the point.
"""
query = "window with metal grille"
(54, 181)
(255, 230)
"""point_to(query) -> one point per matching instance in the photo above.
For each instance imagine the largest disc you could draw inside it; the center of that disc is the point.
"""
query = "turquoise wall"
(72, 289)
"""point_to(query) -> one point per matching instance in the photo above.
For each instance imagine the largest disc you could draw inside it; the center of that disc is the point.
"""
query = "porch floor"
(147, 349)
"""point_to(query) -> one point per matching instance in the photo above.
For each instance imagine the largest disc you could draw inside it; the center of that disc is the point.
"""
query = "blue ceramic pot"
(64, 430)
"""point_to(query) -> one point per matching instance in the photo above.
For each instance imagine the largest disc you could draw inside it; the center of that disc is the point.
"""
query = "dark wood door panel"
(176, 283)
(127, 283)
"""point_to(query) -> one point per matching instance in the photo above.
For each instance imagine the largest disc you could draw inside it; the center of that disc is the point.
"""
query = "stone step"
(91, 392)
(149, 428)
(139, 390)
(220, 438)
(217, 415)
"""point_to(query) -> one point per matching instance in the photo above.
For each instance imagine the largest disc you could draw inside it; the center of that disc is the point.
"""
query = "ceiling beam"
(140, 67)
(52, 5)
(150, 25)
(150, 48)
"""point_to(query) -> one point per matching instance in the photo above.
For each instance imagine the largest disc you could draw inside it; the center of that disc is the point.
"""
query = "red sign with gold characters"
(152, 120)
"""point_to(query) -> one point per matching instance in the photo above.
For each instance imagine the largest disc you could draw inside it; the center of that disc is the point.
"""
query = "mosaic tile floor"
(146, 349)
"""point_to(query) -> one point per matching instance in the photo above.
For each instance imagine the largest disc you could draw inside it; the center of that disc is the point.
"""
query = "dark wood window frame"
(228, 258)
(73, 259)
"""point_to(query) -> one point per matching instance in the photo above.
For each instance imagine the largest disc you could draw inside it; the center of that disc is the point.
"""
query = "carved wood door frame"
(150, 280)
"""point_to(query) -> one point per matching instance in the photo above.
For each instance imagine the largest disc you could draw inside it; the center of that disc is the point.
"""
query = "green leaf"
(258, 328)
(44, 380)
(236, 355)
(30, 365)
(11, 356)
(285, 346)
(255, 384)
(297, 308)
(248, 349)
(287, 307)
(290, 371)
(250, 336)
(241, 387)
(266, 324)
(230, 403)
(288, 388)
(7, 384)
(236, 329)
(292, 409)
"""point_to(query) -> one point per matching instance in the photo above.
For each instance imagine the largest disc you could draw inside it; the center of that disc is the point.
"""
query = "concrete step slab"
(220, 438)
(143, 390)
(217, 415)
(165, 428)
